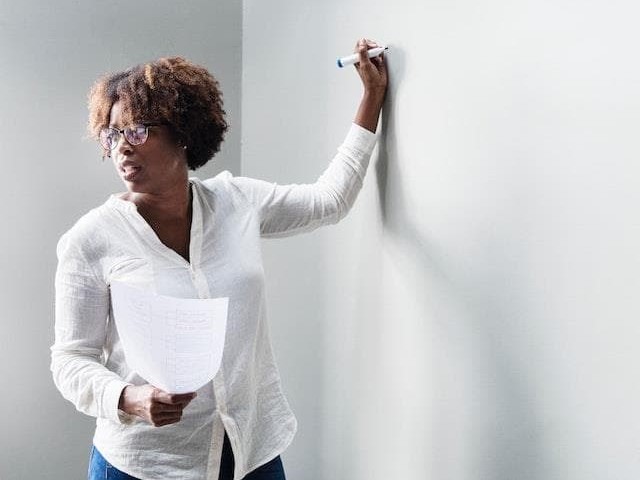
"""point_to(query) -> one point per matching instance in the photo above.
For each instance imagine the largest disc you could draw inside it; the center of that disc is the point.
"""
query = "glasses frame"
(121, 133)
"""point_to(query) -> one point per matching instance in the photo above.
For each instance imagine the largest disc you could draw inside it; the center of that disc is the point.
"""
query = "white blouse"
(113, 242)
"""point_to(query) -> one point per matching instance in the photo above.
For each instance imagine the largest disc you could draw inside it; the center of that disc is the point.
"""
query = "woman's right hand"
(156, 406)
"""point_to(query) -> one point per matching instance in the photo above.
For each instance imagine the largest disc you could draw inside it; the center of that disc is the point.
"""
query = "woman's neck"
(172, 203)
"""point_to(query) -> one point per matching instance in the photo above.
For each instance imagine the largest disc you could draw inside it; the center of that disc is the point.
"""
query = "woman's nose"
(123, 147)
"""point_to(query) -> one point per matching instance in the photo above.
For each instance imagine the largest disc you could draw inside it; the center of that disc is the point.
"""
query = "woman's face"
(152, 167)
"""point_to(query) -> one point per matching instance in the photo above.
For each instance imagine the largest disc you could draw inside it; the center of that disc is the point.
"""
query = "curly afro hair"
(171, 91)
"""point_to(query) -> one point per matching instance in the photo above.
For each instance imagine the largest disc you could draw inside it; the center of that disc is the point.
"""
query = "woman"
(179, 236)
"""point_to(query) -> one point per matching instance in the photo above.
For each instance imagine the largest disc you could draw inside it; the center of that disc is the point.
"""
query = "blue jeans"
(100, 469)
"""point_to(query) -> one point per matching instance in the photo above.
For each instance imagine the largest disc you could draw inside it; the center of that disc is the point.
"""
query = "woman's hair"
(171, 91)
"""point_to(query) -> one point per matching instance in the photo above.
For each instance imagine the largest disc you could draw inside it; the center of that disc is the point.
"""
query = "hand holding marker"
(351, 59)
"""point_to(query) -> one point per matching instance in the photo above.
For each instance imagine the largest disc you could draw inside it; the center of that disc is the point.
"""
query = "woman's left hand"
(372, 71)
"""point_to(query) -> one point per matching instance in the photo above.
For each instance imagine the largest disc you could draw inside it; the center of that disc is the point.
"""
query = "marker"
(355, 58)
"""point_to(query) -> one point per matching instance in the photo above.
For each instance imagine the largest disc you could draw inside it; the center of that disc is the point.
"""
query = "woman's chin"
(135, 186)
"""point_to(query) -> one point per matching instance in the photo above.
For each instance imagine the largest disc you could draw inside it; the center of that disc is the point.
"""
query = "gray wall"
(476, 315)
(51, 52)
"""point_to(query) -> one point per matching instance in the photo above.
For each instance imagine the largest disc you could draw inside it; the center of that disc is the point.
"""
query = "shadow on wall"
(488, 428)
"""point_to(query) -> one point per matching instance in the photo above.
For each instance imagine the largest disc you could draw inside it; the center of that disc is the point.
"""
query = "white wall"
(51, 52)
(475, 317)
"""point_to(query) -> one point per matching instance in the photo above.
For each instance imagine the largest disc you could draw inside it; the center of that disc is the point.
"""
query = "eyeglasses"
(134, 135)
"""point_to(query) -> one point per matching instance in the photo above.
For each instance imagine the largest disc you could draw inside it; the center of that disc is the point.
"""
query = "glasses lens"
(136, 134)
(109, 137)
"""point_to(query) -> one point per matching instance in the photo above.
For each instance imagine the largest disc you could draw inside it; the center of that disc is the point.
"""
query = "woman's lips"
(129, 172)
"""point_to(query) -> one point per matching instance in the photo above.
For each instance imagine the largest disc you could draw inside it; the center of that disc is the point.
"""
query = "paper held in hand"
(173, 343)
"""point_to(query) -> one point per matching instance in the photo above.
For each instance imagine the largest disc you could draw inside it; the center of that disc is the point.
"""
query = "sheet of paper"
(175, 344)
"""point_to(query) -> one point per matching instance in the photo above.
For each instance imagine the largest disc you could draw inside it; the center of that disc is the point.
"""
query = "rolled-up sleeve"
(81, 313)
(289, 209)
